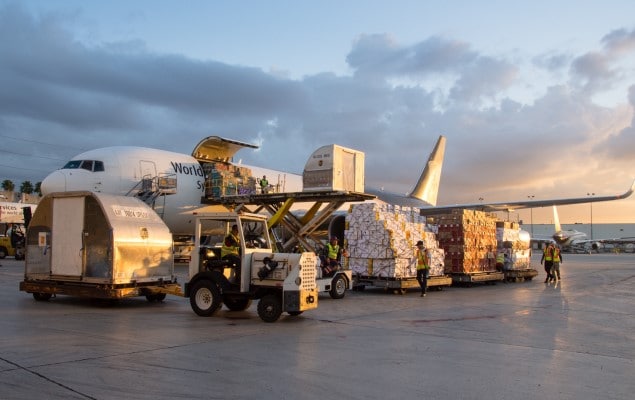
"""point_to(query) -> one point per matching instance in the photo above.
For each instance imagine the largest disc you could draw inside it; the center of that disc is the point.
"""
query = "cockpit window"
(89, 165)
(73, 164)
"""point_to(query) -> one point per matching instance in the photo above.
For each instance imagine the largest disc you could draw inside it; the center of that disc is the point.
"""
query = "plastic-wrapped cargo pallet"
(223, 179)
(515, 243)
(381, 241)
(469, 240)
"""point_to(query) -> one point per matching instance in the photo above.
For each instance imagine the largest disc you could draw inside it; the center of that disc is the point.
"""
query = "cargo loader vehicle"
(281, 282)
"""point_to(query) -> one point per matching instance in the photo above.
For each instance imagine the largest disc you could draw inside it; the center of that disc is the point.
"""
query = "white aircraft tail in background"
(426, 191)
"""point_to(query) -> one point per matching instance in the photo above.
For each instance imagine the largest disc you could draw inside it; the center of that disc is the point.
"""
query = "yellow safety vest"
(333, 251)
(421, 260)
(500, 258)
(548, 254)
(226, 250)
(556, 254)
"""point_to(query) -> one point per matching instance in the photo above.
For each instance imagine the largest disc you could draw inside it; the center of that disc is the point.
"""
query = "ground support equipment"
(399, 285)
(45, 289)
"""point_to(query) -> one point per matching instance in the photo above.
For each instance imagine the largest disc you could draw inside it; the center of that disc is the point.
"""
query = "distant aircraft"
(566, 238)
(577, 241)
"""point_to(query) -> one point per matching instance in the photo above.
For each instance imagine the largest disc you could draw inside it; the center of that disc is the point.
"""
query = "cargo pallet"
(520, 275)
(43, 290)
(399, 285)
(469, 278)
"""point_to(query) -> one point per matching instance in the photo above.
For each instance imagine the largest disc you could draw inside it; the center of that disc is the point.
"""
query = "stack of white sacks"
(381, 241)
(509, 242)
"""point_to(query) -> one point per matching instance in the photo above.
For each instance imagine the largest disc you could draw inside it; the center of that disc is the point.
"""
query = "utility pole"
(531, 214)
(591, 204)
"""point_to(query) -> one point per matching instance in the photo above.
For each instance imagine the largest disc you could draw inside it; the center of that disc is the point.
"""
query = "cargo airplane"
(122, 170)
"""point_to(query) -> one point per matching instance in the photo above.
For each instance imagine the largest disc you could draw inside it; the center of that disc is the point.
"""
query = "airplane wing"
(517, 205)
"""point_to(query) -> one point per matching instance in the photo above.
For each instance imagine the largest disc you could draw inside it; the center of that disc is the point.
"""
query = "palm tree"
(26, 187)
(7, 185)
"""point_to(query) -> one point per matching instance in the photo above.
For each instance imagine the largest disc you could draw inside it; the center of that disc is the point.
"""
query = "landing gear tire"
(338, 287)
(237, 304)
(270, 308)
(205, 298)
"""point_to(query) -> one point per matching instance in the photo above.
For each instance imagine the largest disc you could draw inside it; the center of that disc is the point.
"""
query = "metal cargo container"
(334, 168)
(98, 245)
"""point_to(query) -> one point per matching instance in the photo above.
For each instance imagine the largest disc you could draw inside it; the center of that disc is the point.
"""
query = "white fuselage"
(119, 170)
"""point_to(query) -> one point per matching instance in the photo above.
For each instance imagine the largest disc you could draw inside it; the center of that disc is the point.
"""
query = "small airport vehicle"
(282, 282)
(335, 282)
(12, 245)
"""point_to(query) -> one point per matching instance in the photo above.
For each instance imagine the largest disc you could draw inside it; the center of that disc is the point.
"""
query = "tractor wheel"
(205, 298)
(270, 308)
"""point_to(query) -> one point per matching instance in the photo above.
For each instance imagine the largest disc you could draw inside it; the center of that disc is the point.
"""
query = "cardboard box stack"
(469, 240)
(222, 179)
(381, 239)
(510, 243)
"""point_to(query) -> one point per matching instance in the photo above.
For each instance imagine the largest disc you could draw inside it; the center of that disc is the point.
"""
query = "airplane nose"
(55, 182)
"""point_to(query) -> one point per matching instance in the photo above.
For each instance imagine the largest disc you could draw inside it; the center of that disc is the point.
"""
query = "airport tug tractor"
(236, 270)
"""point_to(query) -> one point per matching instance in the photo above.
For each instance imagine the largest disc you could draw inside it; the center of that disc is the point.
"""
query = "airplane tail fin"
(556, 220)
(427, 188)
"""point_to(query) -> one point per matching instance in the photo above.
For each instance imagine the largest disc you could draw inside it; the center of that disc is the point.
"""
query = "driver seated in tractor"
(230, 251)
(332, 257)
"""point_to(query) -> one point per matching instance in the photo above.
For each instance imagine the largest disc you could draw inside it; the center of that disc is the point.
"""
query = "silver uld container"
(98, 238)
(334, 168)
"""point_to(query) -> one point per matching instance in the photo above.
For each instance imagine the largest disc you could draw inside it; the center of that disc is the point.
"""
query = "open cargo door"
(215, 148)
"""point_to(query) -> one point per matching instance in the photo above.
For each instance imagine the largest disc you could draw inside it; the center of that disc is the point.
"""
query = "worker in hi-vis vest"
(333, 255)
(547, 258)
(230, 250)
(423, 267)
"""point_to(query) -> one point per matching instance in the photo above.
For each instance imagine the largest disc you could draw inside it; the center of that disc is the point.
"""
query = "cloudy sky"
(535, 98)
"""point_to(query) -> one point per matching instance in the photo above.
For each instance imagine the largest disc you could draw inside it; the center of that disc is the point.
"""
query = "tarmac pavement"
(526, 340)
